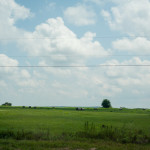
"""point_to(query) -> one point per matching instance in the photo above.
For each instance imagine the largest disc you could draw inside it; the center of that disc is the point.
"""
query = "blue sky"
(75, 33)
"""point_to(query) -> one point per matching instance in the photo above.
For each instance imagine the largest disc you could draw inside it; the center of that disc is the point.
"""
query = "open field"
(60, 128)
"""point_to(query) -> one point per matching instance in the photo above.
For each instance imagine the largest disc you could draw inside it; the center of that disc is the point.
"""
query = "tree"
(106, 103)
(7, 104)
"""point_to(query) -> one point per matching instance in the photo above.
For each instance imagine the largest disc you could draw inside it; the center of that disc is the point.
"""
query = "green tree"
(7, 104)
(106, 103)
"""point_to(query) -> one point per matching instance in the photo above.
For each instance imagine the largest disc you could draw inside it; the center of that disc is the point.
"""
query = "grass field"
(66, 128)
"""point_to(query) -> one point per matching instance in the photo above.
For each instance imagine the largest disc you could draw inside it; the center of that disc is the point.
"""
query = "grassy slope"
(58, 121)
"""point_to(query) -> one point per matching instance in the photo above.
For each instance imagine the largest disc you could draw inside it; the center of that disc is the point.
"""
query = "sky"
(103, 44)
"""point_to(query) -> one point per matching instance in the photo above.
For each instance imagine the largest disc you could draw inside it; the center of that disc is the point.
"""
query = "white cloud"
(59, 42)
(69, 86)
(49, 38)
(13, 75)
(10, 9)
(134, 75)
(10, 12)
(80, 15)
(6, 61)
(131, 17)
(123, 81)
(139, 45)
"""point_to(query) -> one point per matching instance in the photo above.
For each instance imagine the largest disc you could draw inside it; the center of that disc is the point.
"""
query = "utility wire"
(77, 56)
(96, 37)
(75, 66)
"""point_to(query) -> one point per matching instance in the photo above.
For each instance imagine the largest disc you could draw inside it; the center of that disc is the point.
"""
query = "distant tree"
(106, 103)
(7, 104)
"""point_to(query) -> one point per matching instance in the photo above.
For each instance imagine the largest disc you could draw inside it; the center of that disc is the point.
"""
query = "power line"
(78, 56)
(96, 37)
(75, 66)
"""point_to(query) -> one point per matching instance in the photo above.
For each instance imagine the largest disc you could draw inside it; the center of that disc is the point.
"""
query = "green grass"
(57, 121)
(61, 144)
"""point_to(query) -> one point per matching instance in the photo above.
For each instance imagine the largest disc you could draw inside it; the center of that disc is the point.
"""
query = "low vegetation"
(122, 135)
(69, 128)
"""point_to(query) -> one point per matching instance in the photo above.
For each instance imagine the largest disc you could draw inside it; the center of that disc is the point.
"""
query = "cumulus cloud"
(19, 77)
(131, 17)
(138, 45)
(84, 86)
(10, 12)
(6, 61)
(126, 80)
(80, 15)
(49, 38)
(10, 9)
(130, 78)
(54, 39)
